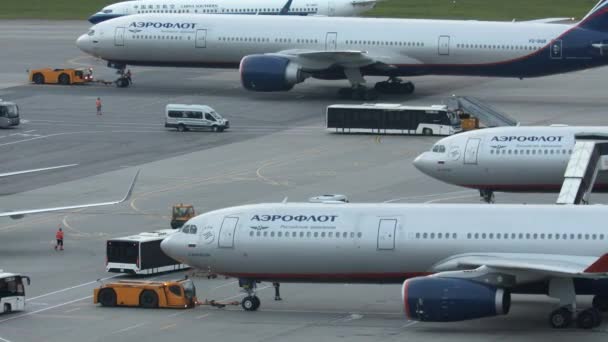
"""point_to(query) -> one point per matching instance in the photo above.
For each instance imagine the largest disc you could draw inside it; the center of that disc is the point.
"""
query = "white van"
(184, 117)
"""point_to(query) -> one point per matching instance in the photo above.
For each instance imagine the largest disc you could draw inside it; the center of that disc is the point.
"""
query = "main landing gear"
(251, 302)
(487, 196)
(566, 314)
(395, 85)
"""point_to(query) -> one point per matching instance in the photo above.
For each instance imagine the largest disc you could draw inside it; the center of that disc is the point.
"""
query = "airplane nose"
(423, 164)
(84, 43)
(169, 247)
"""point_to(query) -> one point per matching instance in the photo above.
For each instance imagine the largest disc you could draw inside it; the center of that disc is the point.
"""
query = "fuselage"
(331, 8)
(410, 47)
(378, 243)
(518, 159)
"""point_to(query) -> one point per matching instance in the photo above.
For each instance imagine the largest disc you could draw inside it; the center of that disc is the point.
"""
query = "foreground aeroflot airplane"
(17, 214)
(456, 262)
(272, 59)
(511, 159)
(330, 8)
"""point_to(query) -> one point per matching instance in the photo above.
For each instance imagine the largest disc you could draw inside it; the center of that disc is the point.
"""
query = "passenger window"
(176, 290)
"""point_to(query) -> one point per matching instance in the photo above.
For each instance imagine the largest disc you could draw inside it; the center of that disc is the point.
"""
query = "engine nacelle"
(434, 299)
(269, 73)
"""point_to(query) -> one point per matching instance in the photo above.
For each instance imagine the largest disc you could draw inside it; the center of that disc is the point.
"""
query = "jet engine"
(434, 299)
(269, 73)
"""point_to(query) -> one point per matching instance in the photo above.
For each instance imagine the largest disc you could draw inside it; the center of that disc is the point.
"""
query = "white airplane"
(509, 159)
(17, 214)
(330, 8)
(456, 262)
(272, 59)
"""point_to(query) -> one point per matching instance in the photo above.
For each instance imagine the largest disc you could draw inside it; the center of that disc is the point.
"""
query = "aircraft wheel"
(250, 303)
(38, 78)
(107, 297)
(560, 318)
(148, 299)
(586, 319)
(407, 87)
(600, 303)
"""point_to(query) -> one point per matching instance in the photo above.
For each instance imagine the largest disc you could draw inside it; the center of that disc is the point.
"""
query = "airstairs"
(487, 115)
(589, 156)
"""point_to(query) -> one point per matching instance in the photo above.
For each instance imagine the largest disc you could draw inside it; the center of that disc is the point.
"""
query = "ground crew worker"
(98, 105)
(128, 76)
(277, 291)
(59, 237)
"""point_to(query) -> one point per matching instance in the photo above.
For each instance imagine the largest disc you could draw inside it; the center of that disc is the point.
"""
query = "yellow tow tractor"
(180, 214)
(61, 76)
(179, 294)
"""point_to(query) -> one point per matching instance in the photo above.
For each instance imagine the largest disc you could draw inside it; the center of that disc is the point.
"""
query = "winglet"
(130, 192)
(599, 266)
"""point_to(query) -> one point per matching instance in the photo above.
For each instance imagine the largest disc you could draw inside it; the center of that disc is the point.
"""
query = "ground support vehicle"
(180, 214)
(12, 292)
(9, 114)
(178, 294)
(61, 76)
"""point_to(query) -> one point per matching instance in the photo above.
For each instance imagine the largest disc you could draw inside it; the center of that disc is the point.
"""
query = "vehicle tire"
(250, 303)
(560, 318)
(427, 131)
(64, 79)
(148, 299)
(7, 308)
(122, 83)
(214, 128)
(175, 224)
(600, 303)
(221, 129)
(181, 128)
(586, 319)
(38, 78)
(107, 297)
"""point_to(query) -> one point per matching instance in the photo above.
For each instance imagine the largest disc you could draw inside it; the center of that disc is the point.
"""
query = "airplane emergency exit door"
(227, 231)
(386, 233)
(119, 36)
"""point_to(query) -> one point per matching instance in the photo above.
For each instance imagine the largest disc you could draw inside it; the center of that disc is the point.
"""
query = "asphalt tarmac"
(276, 148)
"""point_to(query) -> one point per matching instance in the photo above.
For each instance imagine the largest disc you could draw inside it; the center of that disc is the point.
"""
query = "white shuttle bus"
(140, 254)
(12, 292)
(9, 114)
(384, 118)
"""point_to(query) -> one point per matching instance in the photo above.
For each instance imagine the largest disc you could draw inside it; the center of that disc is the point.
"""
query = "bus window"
(175, 114)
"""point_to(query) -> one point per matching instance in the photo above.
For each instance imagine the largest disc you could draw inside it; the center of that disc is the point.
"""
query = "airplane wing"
(549, 21)
(14, 173)
(316, 60)
(539, 265)
(21, 213)
(363, 2)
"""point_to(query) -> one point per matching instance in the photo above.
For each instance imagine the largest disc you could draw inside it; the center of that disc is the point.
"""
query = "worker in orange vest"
(59, 237)
(98, 105)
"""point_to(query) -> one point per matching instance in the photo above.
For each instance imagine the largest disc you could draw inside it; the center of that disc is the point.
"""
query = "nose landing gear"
(395, 85)
(487, 196)
(251, 302)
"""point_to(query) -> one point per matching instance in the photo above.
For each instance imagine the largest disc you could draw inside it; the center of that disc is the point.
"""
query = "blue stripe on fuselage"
(99, 17)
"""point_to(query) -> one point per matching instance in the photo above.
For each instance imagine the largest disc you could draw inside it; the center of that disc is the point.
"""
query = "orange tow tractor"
(61, 76)
(179, 294)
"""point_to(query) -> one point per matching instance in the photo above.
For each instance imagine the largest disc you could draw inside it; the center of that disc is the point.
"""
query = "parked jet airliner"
(272, 59)
(456, 262)
(330, 8)
(511, 159)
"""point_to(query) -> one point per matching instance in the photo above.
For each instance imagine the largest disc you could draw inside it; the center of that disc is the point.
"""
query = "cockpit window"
(192, 229)
(186, 229)
(91, 32)
(439, 148)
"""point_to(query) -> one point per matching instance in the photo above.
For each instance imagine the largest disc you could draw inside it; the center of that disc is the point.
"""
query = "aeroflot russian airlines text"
(528, 139)
(297, 218)
(141, 24)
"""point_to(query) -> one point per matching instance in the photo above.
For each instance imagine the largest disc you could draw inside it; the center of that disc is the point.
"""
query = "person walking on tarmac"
(59, 237)
(98, 105)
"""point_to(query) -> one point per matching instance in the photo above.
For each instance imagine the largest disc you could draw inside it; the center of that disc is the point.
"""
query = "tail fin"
(597, 18)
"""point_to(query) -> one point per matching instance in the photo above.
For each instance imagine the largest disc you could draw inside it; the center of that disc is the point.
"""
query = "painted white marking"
(45, 309)
(31, 130)
(72, 310)
(178, 313)
(129, 328)
(202, 316)
(428, 195)
(4, 340)
(409, 324)
(71, 288)
(449, 198)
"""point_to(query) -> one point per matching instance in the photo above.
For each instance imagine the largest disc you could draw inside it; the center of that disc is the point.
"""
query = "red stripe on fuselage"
(329, 277)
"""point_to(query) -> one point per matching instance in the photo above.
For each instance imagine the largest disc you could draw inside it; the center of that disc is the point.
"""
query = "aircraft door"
(331, 41)
(227, 231)
(470, 151)
(386, 234)
(556, 49)
(201, 39)
(444, 45)
(119, 36)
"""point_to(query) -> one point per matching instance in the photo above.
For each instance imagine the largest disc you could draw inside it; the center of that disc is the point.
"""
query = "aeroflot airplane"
(272, 59)
(511, 159)
(21, 213)
(330, 8)
(452, 267)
